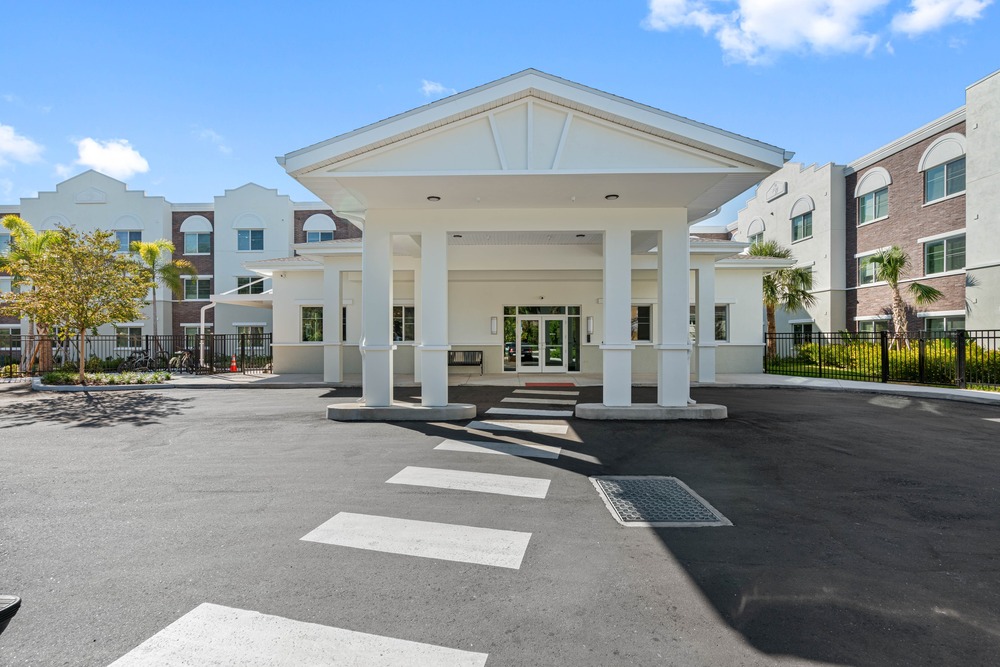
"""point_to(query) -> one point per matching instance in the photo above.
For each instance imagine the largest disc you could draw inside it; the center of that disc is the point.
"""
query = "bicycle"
(140, 361)
(184, 360)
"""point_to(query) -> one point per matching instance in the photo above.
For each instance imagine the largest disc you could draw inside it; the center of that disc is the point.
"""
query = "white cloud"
(435, 89)
(17, 147)
(928, 15)
(114, 157)
(211, 136)
(756, 31)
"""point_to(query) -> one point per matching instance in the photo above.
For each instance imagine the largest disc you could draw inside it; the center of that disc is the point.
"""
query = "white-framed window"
(4, 243)
(249, 284)
(802, 226)
(642, 317)
(312, 324)
(316, 237)
(944, 255)
(197, 289)
(802, 333)
(126, 238)
(253, 330)
(10, 337)
(755, 238)
(944, 180)
(873, 206)
(721, 323)
(944, 323)
(403, 323)
(872, 326)
(867, 270)
(197, 243)
(191, 334)
(128, 337)
(6, 284)
(249, 240)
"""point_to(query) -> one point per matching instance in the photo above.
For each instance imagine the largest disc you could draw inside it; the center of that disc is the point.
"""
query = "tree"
(152, 254)
(890, 265)
(28, 246)
(788, 288)
(80, 282)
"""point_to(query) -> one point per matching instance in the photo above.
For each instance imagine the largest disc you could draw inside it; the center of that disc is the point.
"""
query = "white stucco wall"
(982, 202)
(249, 205)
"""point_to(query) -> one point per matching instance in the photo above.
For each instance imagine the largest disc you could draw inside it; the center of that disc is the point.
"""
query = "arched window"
(872, 193)
(249, 233)
(319, 227)
(128, 230)
(943, 166)
(197, 230)
(755, 231)
(801, 216)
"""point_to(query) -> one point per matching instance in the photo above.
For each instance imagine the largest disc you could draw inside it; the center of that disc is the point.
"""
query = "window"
(126, 239)
(4, 243)
(249, 240)
(10, 338)
(128, 337)
(403, 328)
(802, 226)
(942, 324)
(312, 324)
(254, 334)
(944, 255)
(873, 206)
(191, 335)
(197, 289)
(802, 333)
(755, 238)
(6, 284)
(316, 237)
(249, 284)
(197, 243)
(641, 316)
(944, 180)
(721, 323)
(866, 270)
(873, 326)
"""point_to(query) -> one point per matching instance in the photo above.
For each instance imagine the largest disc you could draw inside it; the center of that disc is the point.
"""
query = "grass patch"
(101, 379)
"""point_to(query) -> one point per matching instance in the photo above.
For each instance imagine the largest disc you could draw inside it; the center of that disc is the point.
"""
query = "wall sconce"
(590, 325)
(493, 325)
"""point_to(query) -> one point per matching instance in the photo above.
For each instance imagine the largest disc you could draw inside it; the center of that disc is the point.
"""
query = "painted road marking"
(425, 539)
(546, 392)
(549, 384)
(502, 448)
(542, 429)
(543, 401)
(463, 480)
(992, 419)
(529, 412)
(211, 634)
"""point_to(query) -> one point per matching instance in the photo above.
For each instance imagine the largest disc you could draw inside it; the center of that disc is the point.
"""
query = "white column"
(433, 314)
(376, 315)
(673, 367)
(333, 359)
(418, 329)
(704, 315)
(617, 345)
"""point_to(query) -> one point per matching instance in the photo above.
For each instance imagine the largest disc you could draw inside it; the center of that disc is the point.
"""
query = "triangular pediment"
(529, 135)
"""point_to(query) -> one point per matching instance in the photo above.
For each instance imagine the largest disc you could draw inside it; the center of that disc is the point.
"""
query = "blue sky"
(185, 99)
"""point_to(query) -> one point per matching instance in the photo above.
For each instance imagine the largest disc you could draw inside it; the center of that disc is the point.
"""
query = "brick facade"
(908, 220)
(345, 229)
(190, 311)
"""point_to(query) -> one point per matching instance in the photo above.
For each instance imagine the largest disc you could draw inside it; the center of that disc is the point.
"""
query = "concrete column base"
(350, 410)
(650, 412)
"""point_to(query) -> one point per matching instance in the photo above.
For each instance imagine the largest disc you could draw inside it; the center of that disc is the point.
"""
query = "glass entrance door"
(541, 344)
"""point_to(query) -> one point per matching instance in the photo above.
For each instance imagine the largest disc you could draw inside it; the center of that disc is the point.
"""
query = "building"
(932, 192)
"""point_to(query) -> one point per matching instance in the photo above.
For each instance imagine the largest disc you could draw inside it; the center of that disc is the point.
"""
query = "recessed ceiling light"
(611, 197)
(433, 198)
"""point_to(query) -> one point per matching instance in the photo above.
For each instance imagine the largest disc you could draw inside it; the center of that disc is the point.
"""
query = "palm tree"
(171, 273)
(788, 288)
(890, 264)
(27, 246)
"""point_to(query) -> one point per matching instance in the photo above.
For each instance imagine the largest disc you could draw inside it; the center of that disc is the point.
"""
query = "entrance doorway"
(541, 344)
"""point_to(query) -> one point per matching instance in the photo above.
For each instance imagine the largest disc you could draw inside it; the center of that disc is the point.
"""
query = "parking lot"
(864, 528)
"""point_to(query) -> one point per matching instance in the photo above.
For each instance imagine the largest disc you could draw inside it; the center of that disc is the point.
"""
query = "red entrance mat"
(549, 384)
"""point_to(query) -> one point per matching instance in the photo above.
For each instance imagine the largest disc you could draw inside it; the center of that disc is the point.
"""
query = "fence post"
(922, 359)
(766, 355)
(960, 357)
(884, 340)
(819, 355)
(243, 352)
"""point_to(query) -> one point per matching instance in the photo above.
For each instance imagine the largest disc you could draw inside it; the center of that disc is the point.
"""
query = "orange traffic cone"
(232, 364)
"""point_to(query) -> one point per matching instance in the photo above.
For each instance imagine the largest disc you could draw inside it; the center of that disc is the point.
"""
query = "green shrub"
(97, 379)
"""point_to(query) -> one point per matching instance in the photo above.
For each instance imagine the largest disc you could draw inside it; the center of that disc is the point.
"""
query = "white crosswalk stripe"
(547, 392)
(502, 448)
(529, 412)
(542, 429)
(542, 401)
(425, 539)
(481, 482)
(211, 634)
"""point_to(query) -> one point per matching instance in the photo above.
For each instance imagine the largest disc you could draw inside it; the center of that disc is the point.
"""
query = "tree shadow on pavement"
(93, 409)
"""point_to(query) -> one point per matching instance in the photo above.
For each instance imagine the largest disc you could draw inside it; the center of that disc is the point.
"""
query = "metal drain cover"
(656, 502)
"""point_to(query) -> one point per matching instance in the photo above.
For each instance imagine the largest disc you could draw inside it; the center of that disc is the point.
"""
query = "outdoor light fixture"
(580, 236)
(493, 325)
(456, 236)
(433, 198)
(590, 325)
(611, 197)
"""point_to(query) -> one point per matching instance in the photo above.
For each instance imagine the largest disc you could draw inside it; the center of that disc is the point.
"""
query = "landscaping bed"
(101, 379)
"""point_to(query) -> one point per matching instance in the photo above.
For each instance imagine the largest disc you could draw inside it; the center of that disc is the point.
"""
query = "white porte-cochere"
(541, 222)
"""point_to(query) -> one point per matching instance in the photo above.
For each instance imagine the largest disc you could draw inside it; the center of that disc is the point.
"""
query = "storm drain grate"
(656, 502)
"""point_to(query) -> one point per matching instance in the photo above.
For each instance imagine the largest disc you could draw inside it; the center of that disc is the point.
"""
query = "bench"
(466, 358)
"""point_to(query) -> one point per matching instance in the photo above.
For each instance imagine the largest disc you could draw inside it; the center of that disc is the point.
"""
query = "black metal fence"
(962, 358)
(24, 355)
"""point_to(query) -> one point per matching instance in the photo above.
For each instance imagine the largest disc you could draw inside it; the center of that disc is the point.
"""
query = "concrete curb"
(650, 412)
(896, 390)
(350, 410)
(36, 385)
(14, 386)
